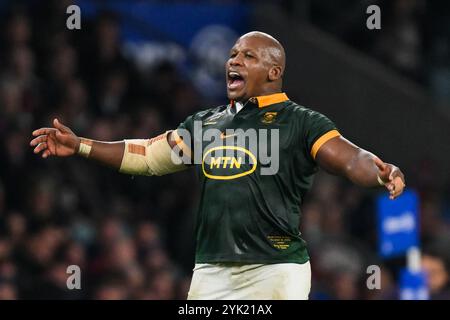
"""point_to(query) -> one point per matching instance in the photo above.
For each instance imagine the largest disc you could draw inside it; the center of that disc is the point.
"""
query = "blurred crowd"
(414, 39)
(133, 237)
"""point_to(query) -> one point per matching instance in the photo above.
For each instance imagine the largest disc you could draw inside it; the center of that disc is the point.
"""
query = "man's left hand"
(391, 177)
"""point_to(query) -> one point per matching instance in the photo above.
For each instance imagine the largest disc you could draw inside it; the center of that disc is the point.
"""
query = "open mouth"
(235, 80)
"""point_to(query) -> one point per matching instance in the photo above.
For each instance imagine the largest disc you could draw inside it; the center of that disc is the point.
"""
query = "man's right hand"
(58, 141)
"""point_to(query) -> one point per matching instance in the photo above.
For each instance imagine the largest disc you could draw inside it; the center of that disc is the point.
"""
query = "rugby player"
(247, 229)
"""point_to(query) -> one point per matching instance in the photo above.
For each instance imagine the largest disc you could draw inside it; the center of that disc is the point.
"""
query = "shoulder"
(202, 115)
(313, 123)
(302, 111)
(315, 127)
(210, 112)
(305, 115)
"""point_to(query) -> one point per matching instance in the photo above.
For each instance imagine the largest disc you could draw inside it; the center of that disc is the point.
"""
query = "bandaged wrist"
(149, 157)
(380, 181)
(85, 147)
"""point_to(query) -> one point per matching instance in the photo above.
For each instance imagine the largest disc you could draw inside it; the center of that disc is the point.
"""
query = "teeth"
(234, 74)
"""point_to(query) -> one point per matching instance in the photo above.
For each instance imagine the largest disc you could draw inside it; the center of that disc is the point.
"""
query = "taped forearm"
(149, 157)
(108, 153)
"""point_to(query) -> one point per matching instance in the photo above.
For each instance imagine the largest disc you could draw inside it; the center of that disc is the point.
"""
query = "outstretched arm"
(340, 156)
(60, 141)
(138, 156)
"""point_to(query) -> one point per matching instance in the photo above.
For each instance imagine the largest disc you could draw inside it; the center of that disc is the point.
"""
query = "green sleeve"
(187, 124)
(317, 130)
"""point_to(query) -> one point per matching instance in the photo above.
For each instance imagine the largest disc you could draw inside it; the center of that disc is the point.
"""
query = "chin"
(236, 96)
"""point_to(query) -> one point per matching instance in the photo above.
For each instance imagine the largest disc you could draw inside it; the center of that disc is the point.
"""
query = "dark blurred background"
(138, 68)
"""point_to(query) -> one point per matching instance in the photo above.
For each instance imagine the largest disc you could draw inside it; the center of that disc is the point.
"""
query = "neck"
(271, 88)
(260, 93)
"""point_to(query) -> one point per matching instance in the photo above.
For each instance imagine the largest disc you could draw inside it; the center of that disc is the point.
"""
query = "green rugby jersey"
(245, 216)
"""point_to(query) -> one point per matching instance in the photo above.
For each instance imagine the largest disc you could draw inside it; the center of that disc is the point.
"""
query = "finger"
(390, 186)
(380, 164)
(394, 171)
(38, 140)
(41, 146)
(392, 193)
(395, 195)
(59, 125)
(42, 131)
(46, 153)
(399, 186)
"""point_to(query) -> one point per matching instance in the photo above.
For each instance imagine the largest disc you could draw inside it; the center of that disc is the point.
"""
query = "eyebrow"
(245, 50)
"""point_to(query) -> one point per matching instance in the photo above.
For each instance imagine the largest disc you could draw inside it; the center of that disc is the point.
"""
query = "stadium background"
(138, 68)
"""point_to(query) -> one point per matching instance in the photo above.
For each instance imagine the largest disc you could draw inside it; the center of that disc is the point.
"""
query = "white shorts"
(282, 281)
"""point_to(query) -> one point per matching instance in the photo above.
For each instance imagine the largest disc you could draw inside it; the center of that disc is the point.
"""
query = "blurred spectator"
(401, 41)
(16, 227)
(113, 287)
(17, 32)
(7, 291)
(436, 263)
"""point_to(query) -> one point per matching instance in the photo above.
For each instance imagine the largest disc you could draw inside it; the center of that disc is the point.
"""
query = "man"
(436, 263)
(248, 239)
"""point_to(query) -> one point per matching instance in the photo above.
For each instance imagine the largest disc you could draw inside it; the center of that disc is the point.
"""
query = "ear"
(275, 73)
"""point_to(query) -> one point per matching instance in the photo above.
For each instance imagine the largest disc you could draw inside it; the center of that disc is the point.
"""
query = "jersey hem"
(251, 260)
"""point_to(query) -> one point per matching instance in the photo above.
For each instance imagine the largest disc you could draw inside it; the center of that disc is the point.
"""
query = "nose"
(236, 60)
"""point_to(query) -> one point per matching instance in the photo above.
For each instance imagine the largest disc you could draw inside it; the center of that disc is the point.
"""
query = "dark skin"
(256, 64)
(259, 59)
(60, 141)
